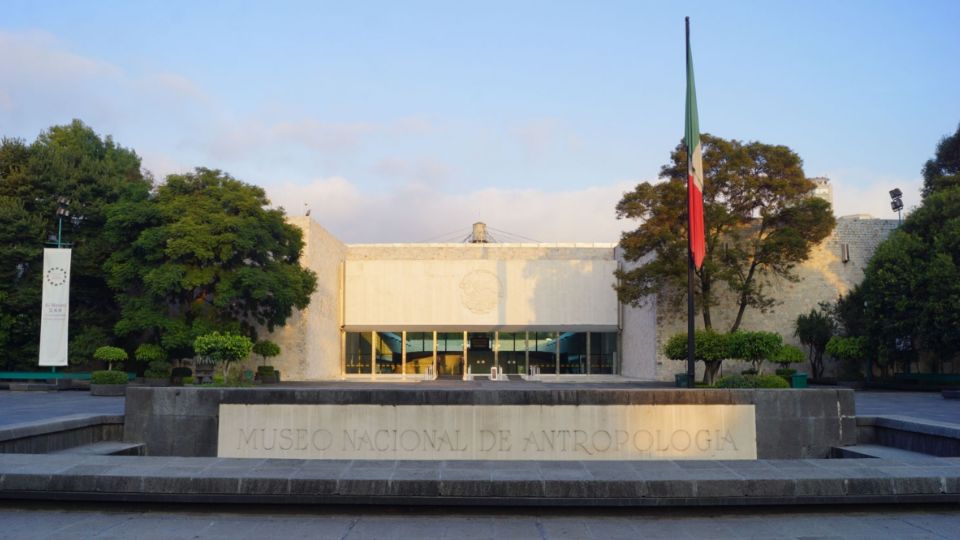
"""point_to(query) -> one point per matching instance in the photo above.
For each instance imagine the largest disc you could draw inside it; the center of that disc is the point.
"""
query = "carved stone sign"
(489, 432)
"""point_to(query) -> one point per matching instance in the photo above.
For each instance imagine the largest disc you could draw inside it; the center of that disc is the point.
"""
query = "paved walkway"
(925, 405)
(20, 407)
(63, 520)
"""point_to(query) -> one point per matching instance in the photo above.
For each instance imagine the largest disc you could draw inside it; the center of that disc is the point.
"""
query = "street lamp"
(896, 202)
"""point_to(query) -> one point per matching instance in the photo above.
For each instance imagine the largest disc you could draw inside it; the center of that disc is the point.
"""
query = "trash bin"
(681, 380)
(798, 380)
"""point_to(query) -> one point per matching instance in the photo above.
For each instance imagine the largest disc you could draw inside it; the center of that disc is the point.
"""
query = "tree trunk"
(710, 371)
(705, 286)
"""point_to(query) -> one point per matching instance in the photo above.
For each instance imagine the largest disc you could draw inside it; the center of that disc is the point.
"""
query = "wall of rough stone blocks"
(310, 341)
(823, 277)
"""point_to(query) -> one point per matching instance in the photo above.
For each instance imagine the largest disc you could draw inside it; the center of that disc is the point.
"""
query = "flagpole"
(691, 342)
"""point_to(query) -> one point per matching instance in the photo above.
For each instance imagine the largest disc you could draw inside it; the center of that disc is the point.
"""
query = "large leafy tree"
(911, 290)
(942, 171)
(70, 162)
(760, 221)
(204, 254)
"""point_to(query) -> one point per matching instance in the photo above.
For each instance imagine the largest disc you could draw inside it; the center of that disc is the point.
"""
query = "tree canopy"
(74, 163)
(204, 254)
(760, 221)
(942, 171)
(908, 306)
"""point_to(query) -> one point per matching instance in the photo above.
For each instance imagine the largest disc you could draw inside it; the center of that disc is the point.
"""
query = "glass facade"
(450, 354)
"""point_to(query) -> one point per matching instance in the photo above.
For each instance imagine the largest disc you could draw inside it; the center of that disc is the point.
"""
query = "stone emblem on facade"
(480, 291)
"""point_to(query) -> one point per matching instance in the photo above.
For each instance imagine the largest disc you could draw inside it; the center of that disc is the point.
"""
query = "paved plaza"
(24, 519)
(63, 520)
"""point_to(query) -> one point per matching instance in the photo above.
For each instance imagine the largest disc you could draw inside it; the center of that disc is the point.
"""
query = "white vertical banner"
(55, 317)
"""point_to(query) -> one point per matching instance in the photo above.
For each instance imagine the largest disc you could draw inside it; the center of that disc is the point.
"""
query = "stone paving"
(925, 405)
(48, 521)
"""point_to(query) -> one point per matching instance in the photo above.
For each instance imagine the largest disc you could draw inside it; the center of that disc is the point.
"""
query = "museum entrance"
(450, 355)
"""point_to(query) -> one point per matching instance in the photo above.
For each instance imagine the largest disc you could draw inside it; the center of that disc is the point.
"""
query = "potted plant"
(790, 354)
(266, 349)
(108, 383)
(223, 350)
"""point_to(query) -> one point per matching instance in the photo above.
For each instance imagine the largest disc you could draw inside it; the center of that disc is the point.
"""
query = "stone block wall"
(822, 278)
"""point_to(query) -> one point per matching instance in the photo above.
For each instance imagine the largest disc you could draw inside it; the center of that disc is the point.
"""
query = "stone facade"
(537, 287)
(825, 276)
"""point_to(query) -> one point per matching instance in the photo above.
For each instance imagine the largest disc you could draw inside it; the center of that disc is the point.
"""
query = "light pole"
(896, 203)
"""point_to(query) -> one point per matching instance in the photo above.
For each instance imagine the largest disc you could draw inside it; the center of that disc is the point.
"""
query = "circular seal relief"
(56, 276)
(480, 291)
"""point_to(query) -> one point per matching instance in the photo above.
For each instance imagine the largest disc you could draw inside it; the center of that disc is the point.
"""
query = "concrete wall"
(790, 424)
(310, 341)
(823, 277)
(470, 286)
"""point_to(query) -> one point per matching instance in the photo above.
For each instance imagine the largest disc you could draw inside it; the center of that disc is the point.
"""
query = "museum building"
(536, 310)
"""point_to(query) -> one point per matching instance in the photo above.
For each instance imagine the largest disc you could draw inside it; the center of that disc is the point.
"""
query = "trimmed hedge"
(108, 377)
(750, 381)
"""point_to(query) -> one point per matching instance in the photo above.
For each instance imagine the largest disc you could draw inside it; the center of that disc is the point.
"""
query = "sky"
(408, 121)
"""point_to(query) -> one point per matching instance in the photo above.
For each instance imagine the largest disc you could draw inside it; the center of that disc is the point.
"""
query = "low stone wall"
(790, 424)
(47, 436)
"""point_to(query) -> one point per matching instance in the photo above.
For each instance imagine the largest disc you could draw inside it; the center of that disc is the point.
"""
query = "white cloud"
(414, 213)
(857, 192)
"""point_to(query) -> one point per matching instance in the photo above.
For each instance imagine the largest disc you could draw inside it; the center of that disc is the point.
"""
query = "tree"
(204, 254)
(74, 163)
(755, 347)
(943, 170)
(110, 355)
(223, 349)
(266, 349)
(911, 287)
(710, 347)
(814, 330)
(761, 220)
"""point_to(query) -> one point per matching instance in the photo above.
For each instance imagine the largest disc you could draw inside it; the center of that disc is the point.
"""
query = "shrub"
(786, 373)
(110, 355)
(159, 369)
(108, 377)
(735, 381)
(788, 354)
(188, 379)
(771, 381)
(265, 370)
(755, 347)
(148, 353)
(850, 351)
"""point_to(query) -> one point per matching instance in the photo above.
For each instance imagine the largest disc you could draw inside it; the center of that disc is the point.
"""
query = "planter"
(108, 389)
(798, 380)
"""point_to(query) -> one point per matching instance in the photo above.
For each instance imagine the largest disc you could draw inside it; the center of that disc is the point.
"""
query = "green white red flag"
(691, 139)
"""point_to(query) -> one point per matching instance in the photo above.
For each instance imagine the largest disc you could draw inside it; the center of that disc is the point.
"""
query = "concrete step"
(877, 451)
(106, 448)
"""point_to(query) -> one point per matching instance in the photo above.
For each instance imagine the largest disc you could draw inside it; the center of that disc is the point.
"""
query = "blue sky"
(404, 121)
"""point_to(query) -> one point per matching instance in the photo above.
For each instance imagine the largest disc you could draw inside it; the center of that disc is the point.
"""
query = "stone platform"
(502, 483)
(789, 424)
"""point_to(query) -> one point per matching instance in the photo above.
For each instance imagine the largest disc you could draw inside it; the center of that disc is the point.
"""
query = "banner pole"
(691, 342)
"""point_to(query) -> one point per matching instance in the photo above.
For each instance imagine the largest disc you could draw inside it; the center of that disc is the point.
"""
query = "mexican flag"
(691, 139)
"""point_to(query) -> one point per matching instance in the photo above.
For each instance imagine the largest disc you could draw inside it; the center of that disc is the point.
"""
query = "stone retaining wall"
(790, 424)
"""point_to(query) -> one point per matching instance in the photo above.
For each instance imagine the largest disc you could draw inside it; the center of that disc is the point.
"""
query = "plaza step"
(106, 448)
(877, 451)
